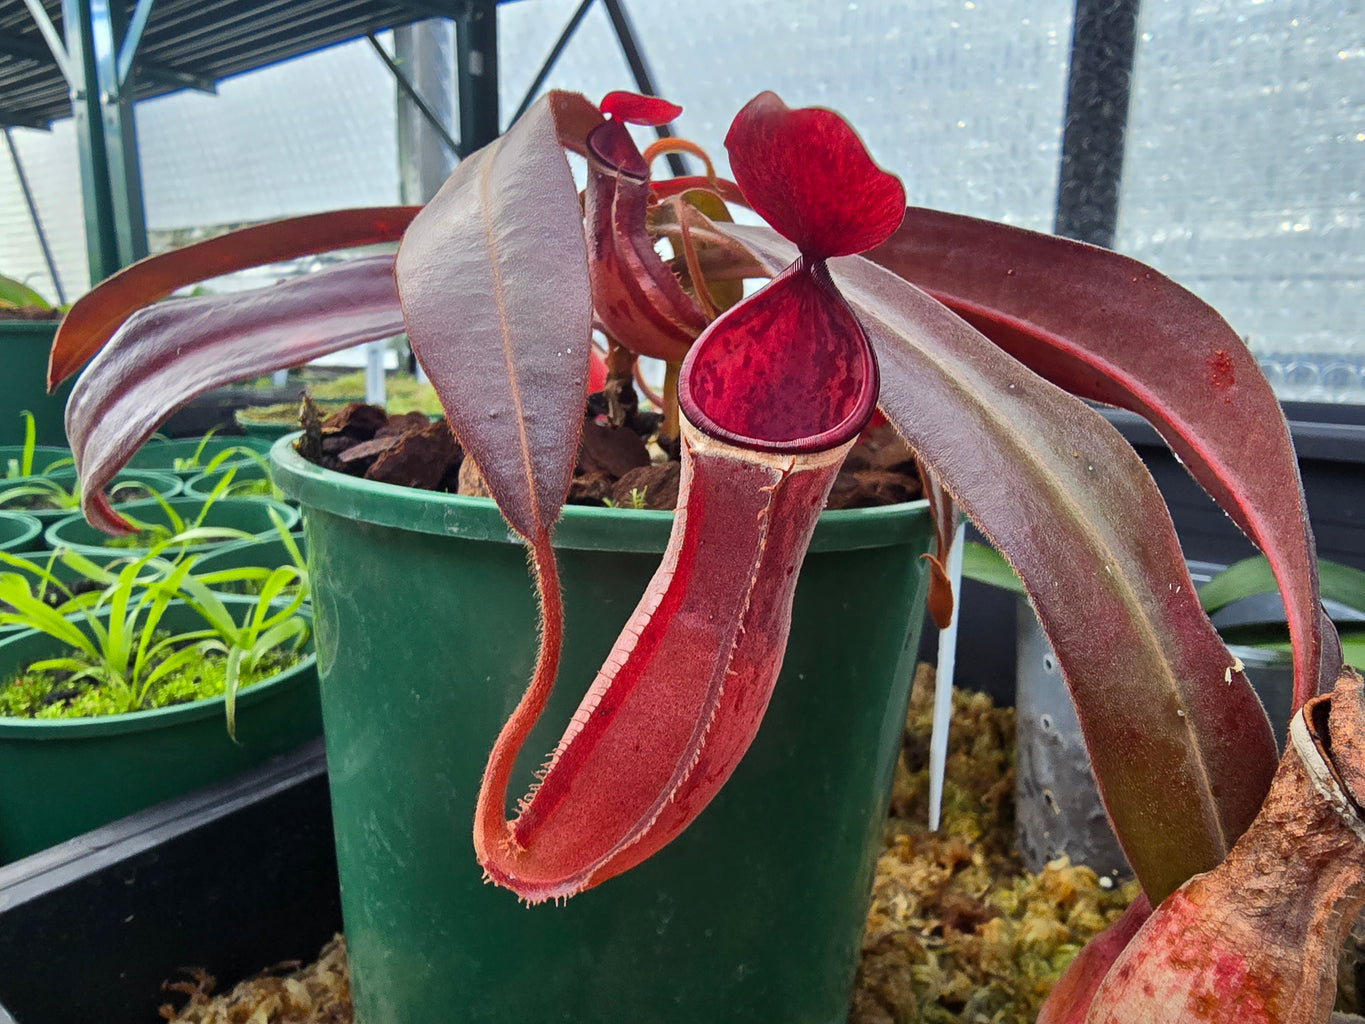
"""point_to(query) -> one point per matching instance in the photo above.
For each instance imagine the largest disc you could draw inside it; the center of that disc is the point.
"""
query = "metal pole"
(410, 95)
(476, 73)
(635, 58)
(102, 114)
(101, 241)
(37, 220)
(108, 24)
(1103, 47)
(426, 151)
(552, 59)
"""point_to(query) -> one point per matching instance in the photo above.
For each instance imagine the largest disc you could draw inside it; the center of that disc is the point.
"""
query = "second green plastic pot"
(24, 348)
(246, 479)
(18, 530)
(189, 456)
(67, 776)
(426, 633)
(165, 484)
(249, 515)
(268, 553)
(44, 457)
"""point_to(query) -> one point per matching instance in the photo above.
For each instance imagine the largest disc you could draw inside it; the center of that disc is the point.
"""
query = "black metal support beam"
(1103, 47)
(635, 59)
(36, 218)
(551, 59)
(476, 73)
(13, 46)
(411, 93)
(23, 119)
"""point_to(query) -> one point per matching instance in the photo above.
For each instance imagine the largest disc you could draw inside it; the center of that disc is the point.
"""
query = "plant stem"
(668, 429)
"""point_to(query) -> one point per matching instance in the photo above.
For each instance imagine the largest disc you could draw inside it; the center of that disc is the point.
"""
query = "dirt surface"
(29, 313)
(621, 466)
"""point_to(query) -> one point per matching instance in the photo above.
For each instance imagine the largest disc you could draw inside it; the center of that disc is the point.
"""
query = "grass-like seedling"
(24, 464)
(121, 659)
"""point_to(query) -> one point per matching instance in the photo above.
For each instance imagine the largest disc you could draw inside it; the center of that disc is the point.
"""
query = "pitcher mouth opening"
(789, 370)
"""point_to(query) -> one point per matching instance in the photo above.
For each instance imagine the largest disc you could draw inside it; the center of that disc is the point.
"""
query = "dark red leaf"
(1110, 329)
(807, 174)
(786, 370)
(637, 109)
(96, 316)
(506, 350)
(168, 353)
(1180, 744)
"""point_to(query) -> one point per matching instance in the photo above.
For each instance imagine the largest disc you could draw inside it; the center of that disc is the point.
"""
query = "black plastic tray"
(232, 879)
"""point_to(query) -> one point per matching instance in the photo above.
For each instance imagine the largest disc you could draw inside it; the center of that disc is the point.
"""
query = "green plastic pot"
(67, 776)
(202, 486)
(162, 455)
(426, 633)
(44, 456)
(18, 530)
(269, 553)
(55, 567)
(24, 348)
(250, 515)
(165, 484)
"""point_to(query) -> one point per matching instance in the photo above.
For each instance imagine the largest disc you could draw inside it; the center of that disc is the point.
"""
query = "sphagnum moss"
(957, 930)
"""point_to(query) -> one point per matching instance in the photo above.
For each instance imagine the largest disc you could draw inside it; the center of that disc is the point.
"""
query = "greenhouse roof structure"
(170, 44)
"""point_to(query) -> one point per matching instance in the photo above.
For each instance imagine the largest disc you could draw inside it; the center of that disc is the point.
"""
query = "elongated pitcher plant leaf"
(166, 354)
(507, 355)
(1107, 328)
(94, 318)
(1181, 747)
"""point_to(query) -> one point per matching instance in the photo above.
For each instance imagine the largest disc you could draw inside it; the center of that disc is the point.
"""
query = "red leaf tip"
(807, 173)
(636, 109)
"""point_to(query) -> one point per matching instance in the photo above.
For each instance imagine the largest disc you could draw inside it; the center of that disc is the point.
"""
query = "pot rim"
(580, 527)
(54, 537)
(31, 528)
(167, 484)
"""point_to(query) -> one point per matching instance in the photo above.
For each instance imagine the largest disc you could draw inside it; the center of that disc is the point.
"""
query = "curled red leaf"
(168, 353)
(95, 317)
(637, 109)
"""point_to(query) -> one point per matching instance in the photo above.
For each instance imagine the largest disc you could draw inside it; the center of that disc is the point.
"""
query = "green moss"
(141, 539)
(48, 694)
(958, 931)
(401, 393)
